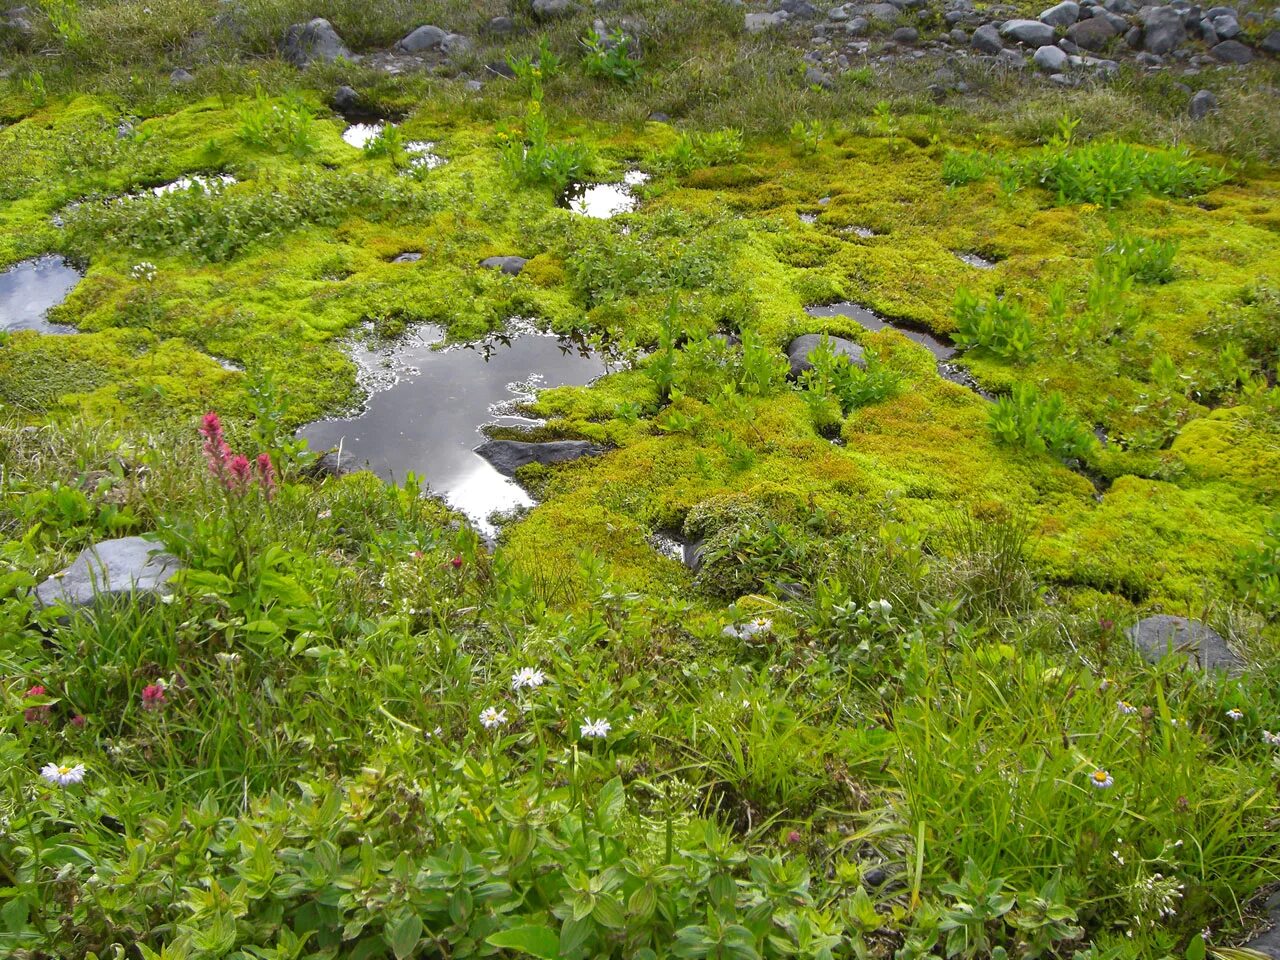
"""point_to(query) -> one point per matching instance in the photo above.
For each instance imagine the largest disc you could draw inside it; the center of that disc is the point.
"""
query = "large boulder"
(1271, 43)
(1050, 59)
(799, 350)
(424, 39)
(1031, 33)
(1162, 30)
(305, 43)
(1202, 104)
(1062, 14)
(986, 39)
(508, 456)
(112, 568)
(1092, 34)
(1157, 636)
(1232, 51)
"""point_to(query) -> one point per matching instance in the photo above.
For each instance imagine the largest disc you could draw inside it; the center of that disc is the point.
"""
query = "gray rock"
(883, 12)
(759, 22)
(181, 77)
(905, 35)
(1232, 51)
(410, 257)
(345, 99)
(1031, 33)
(959, 36)
(113, 568)
(1068, 45)
(1271, 43)
(1122, 7)
(1092, 34)
(1225, 26)
(1062, 14)
(1159, 635)
(475, 86)
(800, 9)
(857, 27)
(1268, 943)
(423, 39)
(819, 78)
(1163, 30)
(1050, 59)
(456, 44)
(508, 456)
(16, 29)
(501, 26)
(799, 349)
(1012, 58)
(1133, 39)
(1208, 34)
(508, 265)
(551, 9)
(986, 39)
(315, 40)
(1202, 104)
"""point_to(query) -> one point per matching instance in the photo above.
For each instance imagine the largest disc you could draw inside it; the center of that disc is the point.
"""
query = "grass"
(892, 713)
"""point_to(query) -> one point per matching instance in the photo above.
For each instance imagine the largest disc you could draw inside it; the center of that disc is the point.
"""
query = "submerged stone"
(113, 568)
(508, 456)
(1159, 635)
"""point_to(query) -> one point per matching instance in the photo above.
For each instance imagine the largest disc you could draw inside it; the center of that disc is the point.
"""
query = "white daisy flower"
(1271, 739)
(595, 728)
(492, 718)
(530, 677)
(62, 775)
(1101, 780)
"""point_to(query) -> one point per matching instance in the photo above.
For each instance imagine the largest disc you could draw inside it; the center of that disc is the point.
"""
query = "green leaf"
(534, 939)
(404, 935)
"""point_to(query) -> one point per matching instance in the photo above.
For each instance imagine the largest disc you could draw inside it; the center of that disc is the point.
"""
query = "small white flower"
(228, 660)
(63, 775)
(145, 271)
(1125, 707)
(1101, 780)
(324, 514)
(492, 717)
(595, 728)
(1234, 714)
(530, 677)
(1271, 739)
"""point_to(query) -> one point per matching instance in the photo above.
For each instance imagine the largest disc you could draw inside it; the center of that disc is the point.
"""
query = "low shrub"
(999, 325)
(1040, 423)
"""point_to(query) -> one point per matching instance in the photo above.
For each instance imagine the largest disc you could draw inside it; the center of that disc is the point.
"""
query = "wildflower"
(1125, 707)
(1233, 714)
(1105, 684)
(266, 475)
(324, 514)
(456, 563)
(153, 696)
(595, 728)
(530, 677)
(216, 450)
(237, 479)
(491, 718)
(78, 720)
(62, 775)
(1271, 739)
(1101, 780)
(144, 271)
(40, 712)
(1106, 623)
(794, 837)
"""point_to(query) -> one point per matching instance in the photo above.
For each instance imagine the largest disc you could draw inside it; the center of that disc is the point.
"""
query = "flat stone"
(1062, 14)
(508, 456)
(1232, 51)
(501, 26)
(799, 349)
(1050, 59)
(425, 38)
(1092, 34)
(1159, 635)
(1031, 33)
(311, 41)
(112, 568)
(508, 265)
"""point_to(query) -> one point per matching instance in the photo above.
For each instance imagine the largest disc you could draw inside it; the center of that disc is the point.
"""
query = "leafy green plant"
(851, 385)
(535, 159)
(1143, 259)
(1040, 424)
(284, 125)
(610, 58)
(1259, 576)
(999, 325)
(806, 137)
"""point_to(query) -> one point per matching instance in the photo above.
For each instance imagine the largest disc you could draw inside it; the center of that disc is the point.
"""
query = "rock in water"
(508, 456)
(315, 40)
(130, 565)
(1159, 635)
(801, 347)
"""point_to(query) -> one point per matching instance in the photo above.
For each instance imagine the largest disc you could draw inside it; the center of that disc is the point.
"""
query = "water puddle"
(973, 260)
(605, 200)
(426, 409)
(422, 155)
(359, 134)
(808, 217)
(865, 233)
(942, 351)
(197, 180)
(30, 288)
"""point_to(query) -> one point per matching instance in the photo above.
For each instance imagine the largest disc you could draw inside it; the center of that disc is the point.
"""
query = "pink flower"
(237, 473)
(153, 696)
(266, 475)
(794, 837)
(456, 563)
(216, 451)
(40, 713)
(78, 720)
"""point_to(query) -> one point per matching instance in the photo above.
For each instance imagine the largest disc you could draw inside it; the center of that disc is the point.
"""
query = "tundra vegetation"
(887, 703)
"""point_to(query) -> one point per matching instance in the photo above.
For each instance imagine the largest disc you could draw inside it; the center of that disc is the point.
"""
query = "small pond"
(30, 288)
(197, 180)
(421, 152)
(605, 200)
(427, 406)
(976, 261)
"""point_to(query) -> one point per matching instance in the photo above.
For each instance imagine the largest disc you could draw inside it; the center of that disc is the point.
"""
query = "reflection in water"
(30, 288)
(427, 406)
(973, 260)
(186, 183)
(871, 320)
(358, 134)
(605, 200)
